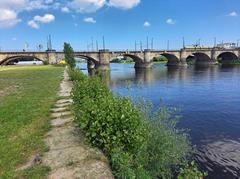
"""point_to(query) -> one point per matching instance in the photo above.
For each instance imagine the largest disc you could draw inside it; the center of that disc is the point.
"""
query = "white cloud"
(37, 20)
(47, 18)
(124, 4)
(87, 6)
(89, 20)
(9, 9)
(233, 14)
(170, 21)
(8, 18)
(14, 39)
(146, 24)
(14, 7)
(33, 24)
(12, 4)
(35, 4)
(65, 9)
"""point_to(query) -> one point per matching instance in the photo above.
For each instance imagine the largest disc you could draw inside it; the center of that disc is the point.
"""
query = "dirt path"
(68, 156)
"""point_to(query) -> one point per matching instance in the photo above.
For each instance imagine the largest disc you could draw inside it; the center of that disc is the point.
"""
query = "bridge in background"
(142, 59)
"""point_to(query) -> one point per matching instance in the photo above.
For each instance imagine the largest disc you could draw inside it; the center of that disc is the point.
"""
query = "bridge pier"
(104, 60)
(90, 65)
(52, 57)
(143, 65)
(147, 60)
(183, 58)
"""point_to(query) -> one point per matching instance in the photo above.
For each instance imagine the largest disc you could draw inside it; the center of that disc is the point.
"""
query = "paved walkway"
(68, 156)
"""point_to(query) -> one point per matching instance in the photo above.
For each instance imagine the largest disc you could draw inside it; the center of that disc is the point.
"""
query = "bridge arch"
(135, 58)
(172, 60)
(7, 60)
(227, 57)
(191, 59)
(202, 58)
(92, 62)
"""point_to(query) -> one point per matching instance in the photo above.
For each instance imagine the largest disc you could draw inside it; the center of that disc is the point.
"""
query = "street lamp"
(183, 42)
(238, 42)
(215, 42)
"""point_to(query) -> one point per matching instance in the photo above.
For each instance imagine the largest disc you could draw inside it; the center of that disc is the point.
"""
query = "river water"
(209, 99)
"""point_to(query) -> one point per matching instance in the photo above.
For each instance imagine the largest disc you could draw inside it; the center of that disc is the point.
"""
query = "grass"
(160, 62)
(26, 95)
(236, 62)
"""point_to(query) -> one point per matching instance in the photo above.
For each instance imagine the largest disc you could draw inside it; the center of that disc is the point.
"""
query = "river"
(209, 99)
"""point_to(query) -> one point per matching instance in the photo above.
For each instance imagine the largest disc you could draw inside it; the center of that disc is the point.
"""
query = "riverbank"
(68, 156)
(138, 143)
(26, 95)
(132, 62)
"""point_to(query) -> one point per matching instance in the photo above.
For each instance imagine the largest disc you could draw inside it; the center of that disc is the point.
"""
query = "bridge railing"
(120, 50)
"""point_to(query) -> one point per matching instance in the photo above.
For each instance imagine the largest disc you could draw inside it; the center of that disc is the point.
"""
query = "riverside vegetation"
(139, 143)
(128, 60)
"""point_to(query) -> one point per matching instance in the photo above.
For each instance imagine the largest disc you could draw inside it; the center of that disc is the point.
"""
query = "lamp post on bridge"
(103, 42)
(152, 44)
(183, 42)
(92, 43)
(215, 42)
(97, 45)
(147, 42)
(138, 44)
(238, 42)
(199, 42)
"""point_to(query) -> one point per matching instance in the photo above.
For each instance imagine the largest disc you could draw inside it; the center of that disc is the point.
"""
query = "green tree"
(69, 55)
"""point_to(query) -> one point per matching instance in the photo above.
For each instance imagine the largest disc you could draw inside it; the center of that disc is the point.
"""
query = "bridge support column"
(214, 57)
(183, 58)
(52, 57)
(90, 65)
(147, 61)
(104, 60)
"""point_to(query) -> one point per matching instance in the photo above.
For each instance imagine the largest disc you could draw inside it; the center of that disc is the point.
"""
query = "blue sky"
(122, 22)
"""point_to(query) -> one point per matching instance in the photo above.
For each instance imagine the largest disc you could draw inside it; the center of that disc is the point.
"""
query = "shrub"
(160, 59)
(167, 147)
(45, 63)
(75, 75)
(191, 171)
(139, 143)
(108, 122)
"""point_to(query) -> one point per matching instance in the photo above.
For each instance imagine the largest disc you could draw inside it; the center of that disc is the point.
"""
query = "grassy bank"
(139, 143)
(160, 62)
(26, 95)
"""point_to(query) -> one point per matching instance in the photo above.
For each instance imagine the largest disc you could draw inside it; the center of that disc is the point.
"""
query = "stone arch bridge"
(142, 59)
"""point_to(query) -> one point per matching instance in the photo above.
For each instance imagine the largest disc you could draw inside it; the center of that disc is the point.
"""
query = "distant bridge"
(142, 59)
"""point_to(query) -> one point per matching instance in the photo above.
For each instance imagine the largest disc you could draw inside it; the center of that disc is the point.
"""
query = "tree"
(69, 55)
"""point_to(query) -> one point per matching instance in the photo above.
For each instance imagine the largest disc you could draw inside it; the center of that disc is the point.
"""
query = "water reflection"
(209, 97)
(144, 75)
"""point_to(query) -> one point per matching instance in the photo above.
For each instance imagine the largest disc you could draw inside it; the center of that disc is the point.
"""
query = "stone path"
(68, 156)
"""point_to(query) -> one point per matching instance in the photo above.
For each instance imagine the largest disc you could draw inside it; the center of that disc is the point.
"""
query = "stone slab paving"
(68, 156)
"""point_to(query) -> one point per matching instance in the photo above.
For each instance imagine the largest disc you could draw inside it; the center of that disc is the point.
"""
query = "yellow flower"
(62, 62)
